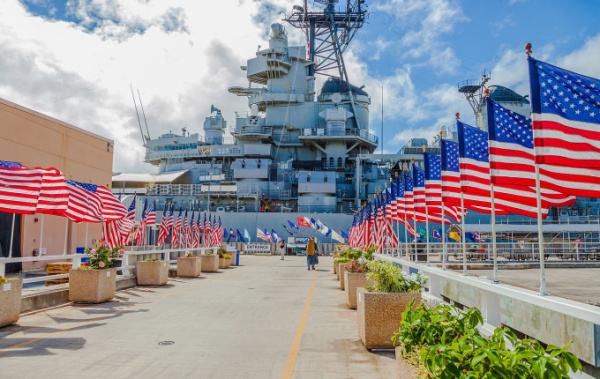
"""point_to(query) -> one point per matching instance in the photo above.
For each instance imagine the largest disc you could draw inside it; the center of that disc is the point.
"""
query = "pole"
(464, 243)
(427, 230)
(444, 246)
(12, 234)
(41, 234)
(381, 119)
(543, 290)
(494, 245)
(66, 236)
(87, 224)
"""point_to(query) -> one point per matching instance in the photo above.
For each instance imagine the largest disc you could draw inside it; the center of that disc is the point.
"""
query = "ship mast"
(329, 32)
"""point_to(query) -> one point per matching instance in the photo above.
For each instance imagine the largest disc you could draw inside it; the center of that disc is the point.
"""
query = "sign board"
(253, 247)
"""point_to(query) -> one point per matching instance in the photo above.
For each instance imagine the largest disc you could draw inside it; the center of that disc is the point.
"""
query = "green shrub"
(449, 345)
(151, 259)
(390, 278)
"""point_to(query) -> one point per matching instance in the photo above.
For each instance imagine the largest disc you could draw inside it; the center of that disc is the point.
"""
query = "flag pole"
(464, 244)
(12, 234)
(543, 289)
(427, 230)
(444, 247)
(41, 233)
(66, 235)
(494, 245)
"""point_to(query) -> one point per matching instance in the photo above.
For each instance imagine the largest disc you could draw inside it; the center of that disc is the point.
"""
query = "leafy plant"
(189, 254)
(357, 266)
(221, 251)
(101, 257)
(341, 260)
(449, 345)
(3, 280)
(390, 278)
(226, 256)
(368, 253)
(151, 259)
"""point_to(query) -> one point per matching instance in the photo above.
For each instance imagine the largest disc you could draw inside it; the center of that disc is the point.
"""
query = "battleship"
(299, 150)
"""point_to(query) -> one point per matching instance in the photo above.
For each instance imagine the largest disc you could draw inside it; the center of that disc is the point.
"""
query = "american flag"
(126, 224)
(54, 194)
(151, 214)
(475, 176)
(422, 208)
(206, 238)
(85, 204)
(566, 132)
(140, 233)
(197, 232)
(163, 231)
(19, 188)
(112, 208)
(176, 230)
(451, 186)
(433, 188)
(512, 155)
(260, 234)
(409, 197)
(221, 233)
(191, 230)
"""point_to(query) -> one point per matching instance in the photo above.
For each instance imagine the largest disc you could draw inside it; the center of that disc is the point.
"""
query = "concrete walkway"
(266, 319)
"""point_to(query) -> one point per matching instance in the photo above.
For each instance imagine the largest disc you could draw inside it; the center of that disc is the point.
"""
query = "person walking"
(282, 248)
(310, 253)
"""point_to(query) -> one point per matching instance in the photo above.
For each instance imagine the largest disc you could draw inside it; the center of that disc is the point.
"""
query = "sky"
(77, 60)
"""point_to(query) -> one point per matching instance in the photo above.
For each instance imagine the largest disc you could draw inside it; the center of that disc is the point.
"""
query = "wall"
(34, 139)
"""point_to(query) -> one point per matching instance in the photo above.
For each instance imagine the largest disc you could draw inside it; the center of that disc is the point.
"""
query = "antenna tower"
(328, 32)
(474, 91)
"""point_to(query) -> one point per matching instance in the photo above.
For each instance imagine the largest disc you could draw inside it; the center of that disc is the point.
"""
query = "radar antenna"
(474, 92)
(328, 32)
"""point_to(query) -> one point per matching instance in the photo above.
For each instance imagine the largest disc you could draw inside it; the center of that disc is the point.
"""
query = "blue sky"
(75, 60)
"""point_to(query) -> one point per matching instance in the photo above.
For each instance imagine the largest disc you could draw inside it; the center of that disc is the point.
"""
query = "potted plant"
(224, 258)
(10, 300)
(444, 342)
(380, 307)
(189, 266)
(355, 276)
(152, 272)
(210, 262)
(338, 262)
(95, 282)
(346, 258)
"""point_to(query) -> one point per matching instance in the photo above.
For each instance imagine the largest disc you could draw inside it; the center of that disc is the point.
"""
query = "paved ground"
(266, 319)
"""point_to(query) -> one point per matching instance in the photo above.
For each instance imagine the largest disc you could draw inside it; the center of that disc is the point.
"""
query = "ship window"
(339, 162)
(330, 161)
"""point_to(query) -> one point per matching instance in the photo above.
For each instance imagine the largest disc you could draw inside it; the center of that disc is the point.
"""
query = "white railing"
(550, 319)
(127, 261)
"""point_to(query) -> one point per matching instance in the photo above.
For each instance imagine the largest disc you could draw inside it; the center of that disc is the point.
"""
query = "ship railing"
(319, 132)
(481, 252)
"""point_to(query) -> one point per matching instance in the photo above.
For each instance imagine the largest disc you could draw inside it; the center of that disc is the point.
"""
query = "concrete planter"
(189, 267)
(92, 286)
(224, 263)
(10, 301)
(353, 281)
(379, 315)
(341, 271)
(152, 273)
(335, 269)
(210, 263)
